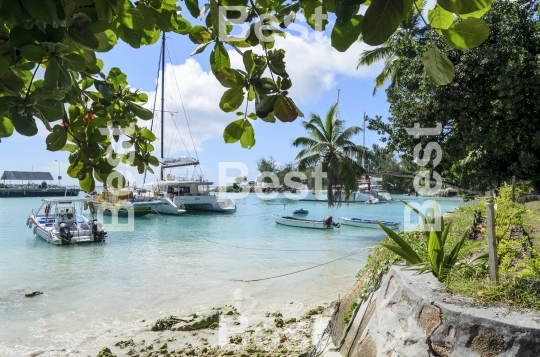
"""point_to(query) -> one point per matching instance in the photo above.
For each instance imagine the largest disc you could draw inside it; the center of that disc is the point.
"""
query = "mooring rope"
(299, 271)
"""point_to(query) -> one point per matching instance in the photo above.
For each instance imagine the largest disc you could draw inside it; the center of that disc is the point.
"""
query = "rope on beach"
(275, 250)
(298, 271)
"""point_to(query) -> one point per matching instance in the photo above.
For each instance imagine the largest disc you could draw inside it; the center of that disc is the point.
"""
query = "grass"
(519, 283)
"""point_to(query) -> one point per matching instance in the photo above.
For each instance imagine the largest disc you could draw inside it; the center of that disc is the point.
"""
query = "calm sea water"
(171, 265)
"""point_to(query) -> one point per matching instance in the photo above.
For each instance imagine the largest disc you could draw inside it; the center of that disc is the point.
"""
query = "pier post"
(492, 238)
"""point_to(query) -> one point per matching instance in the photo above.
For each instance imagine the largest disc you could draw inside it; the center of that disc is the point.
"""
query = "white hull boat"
(367, 223)
(327, 223)
(311, 195)
(59, 221)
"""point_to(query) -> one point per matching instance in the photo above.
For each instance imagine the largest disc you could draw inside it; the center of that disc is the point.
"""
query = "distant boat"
(123, 209)
(326, 223)
(301, 211)
(59, 221)
(372, 201)
(367, 223)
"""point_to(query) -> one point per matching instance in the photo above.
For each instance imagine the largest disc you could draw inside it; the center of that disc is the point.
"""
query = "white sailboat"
(175, 192)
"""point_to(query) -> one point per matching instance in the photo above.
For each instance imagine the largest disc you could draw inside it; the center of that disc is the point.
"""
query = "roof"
(67, 199)
(26, 175)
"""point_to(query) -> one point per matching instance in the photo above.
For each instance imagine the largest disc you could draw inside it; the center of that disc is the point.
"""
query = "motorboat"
(61, 221)
(306, 194)
(367, 223)
(123, 209)
(372, 201)
(301, 211)
(326, 223)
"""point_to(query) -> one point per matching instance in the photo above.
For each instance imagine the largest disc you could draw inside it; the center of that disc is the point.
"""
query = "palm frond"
(346, 134)
(369, 57)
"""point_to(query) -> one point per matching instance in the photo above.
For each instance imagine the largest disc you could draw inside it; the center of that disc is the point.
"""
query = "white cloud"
(311, 62)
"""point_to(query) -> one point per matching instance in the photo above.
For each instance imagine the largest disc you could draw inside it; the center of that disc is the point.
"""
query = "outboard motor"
(65, 233)
(329, 222)
(99, 234)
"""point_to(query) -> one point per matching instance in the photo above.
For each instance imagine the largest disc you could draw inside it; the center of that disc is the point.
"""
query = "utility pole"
(59, 177)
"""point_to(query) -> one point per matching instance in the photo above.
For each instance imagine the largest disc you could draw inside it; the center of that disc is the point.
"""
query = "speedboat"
(326, 223)
(59, 221)
(301, 211)
(367, 223)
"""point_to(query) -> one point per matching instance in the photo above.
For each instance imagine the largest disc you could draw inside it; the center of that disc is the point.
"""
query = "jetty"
(27, 187)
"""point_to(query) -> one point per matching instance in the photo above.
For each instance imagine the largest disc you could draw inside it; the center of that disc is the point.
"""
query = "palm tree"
(329, 144)
(389, 51)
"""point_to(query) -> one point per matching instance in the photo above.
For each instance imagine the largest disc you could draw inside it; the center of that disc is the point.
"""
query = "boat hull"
(205, 203)
(310, 195)
(302, 223)
(367, 223)
(50, 236)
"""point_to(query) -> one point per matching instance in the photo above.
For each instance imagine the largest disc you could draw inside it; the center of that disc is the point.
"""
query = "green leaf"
(247, 140)
(439, 18)
(48, 11)
(57, 139)
(232, 99)
(402, 253)
(314, 19)
(464, 6)
(74, 62)
(435, 252)
(193, 7)
(21, 37)
(234, 131)
(107, 40)
(132, 17)
(438, 67)
(52, 74)
(152, 160)
(34, 53)
(50, 109)
(199, 49)
(103, 10)
(219, 58)
(469, 33)
(200, 35)
(24, 123)
(478, 14)
(6, 127)
(276, 62)
(105, 90)
(147, 134)
(265, 106)
(4, 65)
(88, 184)
(343, 37)
(229, 78)
(411, 256)
(139, 111)
(381, 20)
(284, 109)
(84, 38)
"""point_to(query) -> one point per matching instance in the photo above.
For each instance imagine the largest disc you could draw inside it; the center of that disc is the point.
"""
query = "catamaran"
(59, 221)
(180, 192)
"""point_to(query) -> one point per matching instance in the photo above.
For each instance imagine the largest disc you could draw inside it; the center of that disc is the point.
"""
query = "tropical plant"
(488, 115)
(409, 28)
(329, 145)
(439, 262)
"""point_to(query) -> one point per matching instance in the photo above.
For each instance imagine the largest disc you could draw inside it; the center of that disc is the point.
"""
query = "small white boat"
(372, 201)
(61, 222)
(367, 223)
(326, 223)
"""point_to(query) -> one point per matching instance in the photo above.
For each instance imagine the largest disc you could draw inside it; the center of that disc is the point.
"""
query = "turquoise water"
(93, 293)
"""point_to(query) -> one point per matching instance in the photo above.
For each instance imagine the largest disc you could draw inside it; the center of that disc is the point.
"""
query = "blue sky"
(316, 69)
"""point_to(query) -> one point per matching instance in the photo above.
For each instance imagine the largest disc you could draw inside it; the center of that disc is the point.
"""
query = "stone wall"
(411, 316)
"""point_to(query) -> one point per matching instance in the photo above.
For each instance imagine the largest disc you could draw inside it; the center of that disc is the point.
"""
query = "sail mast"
(364, 139)
(162, 98)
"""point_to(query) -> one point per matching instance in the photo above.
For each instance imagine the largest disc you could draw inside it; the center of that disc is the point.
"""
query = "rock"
(290, 321)
(105, 352)
(35, 293)
(278, 322)
(167, 323)
(209, 321)
(277, 314)
(316, 311)
(124, 344)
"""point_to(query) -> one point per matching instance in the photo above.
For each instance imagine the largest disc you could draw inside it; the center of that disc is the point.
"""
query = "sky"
(317, 71)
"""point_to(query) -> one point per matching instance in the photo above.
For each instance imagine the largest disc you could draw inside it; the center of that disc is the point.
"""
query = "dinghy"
(367, 223)
(326, 223)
